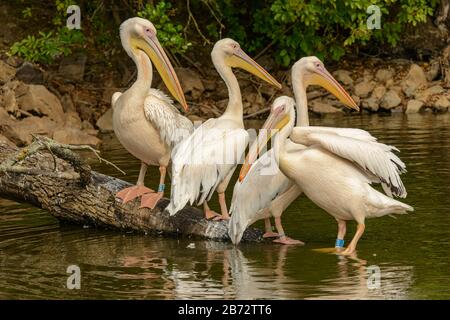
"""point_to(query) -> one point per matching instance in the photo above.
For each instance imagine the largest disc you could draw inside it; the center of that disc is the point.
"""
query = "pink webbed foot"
(150, 200)
(130, 193)
(212, 215)
(288, 241)
(270, 234)
(348, 251)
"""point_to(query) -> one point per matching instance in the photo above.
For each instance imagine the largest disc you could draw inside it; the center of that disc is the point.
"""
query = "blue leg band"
(161, 187)
(339, 243)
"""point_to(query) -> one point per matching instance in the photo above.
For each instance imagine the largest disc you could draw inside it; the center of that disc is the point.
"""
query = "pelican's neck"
(144, 73)
(301, 100)
(280, 139)
(234, 108)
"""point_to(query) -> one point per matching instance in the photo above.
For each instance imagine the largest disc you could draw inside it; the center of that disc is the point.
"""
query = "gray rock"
(4, 140)
(363, 89)
(321, 107)
(4, 117)
(367, 75)
(414, 106)
(431, 91)
(105, 122)
(30, 74)
(398, 109)
(371, 104)
(343, 76)
(441, 104)
(67, 103)
(72, 120)
(378, 92)
(8, 97)
(356, 99)
(190, 82)
(414, 80)
(390, 100)
(37, 100)
(72, 67)
(434, 70)
(6, 72)
(20, 132)
(75, 136)
(384, 75)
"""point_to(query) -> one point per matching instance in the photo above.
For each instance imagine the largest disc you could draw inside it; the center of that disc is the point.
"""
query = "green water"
(411, 251)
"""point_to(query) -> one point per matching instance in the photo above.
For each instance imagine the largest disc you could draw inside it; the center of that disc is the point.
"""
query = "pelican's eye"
(149, 32)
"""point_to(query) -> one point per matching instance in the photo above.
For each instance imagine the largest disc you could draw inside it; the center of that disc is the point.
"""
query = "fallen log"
(52, 176)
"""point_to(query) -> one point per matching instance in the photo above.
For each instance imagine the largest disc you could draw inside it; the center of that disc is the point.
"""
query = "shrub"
(325, 28)
(47, 46)
(169, 34)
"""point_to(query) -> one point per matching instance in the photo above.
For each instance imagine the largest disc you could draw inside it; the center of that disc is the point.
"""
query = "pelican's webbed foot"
(151, 199)
(131, 193)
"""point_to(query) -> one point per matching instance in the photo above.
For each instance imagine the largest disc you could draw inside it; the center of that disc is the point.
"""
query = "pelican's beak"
(241, 60)
(324, 79)
(275, 122)
(156, 53)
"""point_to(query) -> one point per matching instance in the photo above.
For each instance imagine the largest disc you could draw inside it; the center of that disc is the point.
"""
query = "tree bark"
(58, 180)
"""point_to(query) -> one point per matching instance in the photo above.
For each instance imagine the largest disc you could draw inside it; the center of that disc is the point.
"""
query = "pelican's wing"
(376, 158)
(263, 183)
(160, 111)
(358, 134)
(202, 161)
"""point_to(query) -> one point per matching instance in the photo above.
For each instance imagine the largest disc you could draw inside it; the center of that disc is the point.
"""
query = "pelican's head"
(311, 71)
(138, 34)
(230, 52)
(282, 117)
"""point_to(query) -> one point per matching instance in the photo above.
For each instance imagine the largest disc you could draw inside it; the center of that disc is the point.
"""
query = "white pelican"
(334, 171)
(251, 196)
(145, 120)
(206, 160)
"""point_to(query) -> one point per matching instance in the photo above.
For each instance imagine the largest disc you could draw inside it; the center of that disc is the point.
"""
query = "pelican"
(353, 151)
(145, 120)
(205, 161)
(251, 196)
(334, 171)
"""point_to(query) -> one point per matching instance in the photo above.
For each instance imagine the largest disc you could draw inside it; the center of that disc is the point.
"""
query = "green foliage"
(27, 13)
(325, 28)
(290, 28)
(47, 46)
(170, 34)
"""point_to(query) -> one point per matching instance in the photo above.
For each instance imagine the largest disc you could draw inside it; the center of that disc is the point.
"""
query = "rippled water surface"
(411, 251)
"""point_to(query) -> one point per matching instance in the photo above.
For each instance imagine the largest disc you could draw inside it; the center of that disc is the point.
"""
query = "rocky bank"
(62, 105)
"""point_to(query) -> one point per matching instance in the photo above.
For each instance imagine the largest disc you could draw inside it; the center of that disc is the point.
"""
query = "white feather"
(374, 157)
(255, 193)
(172, 126)
(358, 134)
(203, 160)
